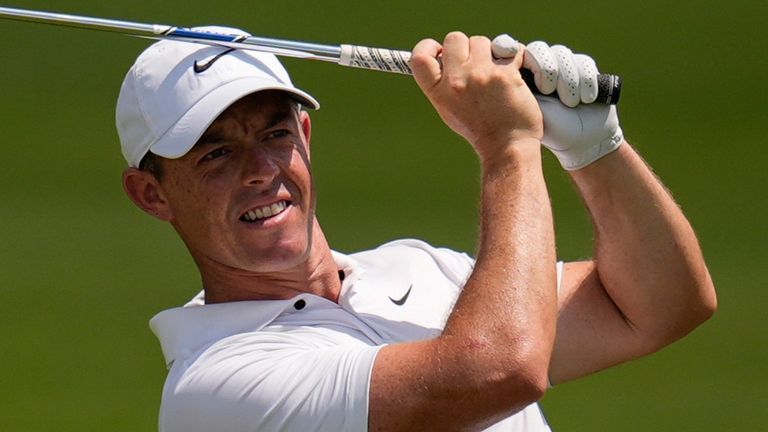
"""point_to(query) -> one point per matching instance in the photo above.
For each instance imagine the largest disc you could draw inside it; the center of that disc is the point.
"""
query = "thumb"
(426, 68)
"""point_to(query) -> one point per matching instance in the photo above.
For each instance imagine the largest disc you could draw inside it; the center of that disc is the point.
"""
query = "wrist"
(517, 153)
(606, 166)
(579, 158)
(580, 136)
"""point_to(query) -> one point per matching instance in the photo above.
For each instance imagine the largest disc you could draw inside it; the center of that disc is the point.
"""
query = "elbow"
(535, 384)
(707, 300)
(525, 380)
(700, 305)
(515, 377)
(700, 308)
(691, 311)
(697, 306)
(527, 392)
(702, 302)
(519, 387)
(528, 374)
(535, 377)
(514, 372)
(703, 297)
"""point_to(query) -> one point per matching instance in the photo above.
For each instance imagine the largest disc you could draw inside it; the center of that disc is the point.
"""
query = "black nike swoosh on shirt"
(401, 301)
(202, 67)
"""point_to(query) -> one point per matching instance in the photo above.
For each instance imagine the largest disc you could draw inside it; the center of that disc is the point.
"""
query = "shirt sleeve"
(297, 380)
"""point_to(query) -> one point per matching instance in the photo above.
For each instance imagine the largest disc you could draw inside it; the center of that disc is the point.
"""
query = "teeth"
(265, 212)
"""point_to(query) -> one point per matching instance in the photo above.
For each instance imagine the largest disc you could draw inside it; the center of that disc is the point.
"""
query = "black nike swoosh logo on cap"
(401, 301)
(202, 67)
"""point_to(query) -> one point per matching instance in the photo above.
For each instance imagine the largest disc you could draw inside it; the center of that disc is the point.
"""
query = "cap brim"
(178, 140)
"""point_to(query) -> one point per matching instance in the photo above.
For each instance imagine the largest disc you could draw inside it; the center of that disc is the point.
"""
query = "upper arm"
(417, 386)
(592, 332)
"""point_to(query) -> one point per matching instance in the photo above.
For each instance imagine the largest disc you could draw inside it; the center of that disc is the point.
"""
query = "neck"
(317, 274)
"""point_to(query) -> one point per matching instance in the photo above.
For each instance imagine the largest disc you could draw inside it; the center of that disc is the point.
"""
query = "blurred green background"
(82, 270)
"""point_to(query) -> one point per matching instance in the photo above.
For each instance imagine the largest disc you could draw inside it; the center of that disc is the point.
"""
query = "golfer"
(289, 335)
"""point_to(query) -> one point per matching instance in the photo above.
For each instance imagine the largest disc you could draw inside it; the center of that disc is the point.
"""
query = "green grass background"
(82, 270)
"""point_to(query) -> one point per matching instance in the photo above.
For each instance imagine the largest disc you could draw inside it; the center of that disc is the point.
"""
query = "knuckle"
(549, 68)
(455, 35)
(537, 46)
(425, 44)
(499, 75)
(419, 59)
(456, 83)
(480, 77)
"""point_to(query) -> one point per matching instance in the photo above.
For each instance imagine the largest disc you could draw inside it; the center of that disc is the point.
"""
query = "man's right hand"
(483, 99)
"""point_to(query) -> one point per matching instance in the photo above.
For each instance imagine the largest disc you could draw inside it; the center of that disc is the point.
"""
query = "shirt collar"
(184, 330)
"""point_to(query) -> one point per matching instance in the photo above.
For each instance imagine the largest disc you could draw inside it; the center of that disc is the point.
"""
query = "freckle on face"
(205, 209)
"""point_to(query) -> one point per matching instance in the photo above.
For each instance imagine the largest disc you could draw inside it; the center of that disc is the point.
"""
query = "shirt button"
(299, 305)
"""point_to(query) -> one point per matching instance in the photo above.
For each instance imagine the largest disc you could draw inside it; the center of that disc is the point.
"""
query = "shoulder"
(418, 255)
(404, 290)
(262, 380)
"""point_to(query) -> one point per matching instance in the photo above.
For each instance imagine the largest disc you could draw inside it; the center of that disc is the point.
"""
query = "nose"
(259, 167)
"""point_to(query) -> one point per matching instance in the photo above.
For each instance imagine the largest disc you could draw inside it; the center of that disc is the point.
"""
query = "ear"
(306, 127)
(146, 192)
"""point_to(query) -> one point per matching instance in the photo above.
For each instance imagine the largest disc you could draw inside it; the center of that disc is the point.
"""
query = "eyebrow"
(212, 138)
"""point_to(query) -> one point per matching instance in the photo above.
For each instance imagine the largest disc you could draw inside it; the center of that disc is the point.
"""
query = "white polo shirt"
(305, 364)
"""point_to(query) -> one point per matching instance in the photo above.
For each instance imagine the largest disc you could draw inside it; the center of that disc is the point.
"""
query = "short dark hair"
(152, 163)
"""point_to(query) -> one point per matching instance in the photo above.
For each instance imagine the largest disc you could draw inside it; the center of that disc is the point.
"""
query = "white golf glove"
(575, 130)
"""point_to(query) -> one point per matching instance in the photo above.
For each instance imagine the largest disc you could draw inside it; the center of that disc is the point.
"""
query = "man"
(289, 335)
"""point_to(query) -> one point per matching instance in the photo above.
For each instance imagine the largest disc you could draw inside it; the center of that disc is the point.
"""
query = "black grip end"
(608, 87)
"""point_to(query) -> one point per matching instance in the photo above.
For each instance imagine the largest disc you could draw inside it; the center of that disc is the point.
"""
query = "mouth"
(262, 213)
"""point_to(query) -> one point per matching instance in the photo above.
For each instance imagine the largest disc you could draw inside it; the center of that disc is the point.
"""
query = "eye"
(215, 153)
(279, 133)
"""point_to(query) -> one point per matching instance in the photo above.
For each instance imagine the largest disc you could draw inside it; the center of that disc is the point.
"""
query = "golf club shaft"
(346, 55)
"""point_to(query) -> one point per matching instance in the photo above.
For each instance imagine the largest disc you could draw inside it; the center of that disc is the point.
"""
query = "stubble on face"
(243, 197)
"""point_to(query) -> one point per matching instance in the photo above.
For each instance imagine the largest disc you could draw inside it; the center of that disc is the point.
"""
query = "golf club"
(609, 86)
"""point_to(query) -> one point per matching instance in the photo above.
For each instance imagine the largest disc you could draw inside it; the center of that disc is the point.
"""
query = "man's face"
(242, 199)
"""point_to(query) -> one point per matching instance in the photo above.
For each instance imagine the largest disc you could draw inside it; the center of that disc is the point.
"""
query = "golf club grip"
(381, 59)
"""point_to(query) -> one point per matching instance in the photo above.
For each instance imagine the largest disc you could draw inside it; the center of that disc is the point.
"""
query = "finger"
(587, 77)
(455, 50)
(504, 46)
(567, 76)
(480, 49)
(424, 63)
(513, 63)
(517, 61)
(540, 60)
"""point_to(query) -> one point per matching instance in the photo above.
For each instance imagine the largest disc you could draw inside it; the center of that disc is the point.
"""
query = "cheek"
(194, 205)
(201, 221)
(301, 178)
(299, 163)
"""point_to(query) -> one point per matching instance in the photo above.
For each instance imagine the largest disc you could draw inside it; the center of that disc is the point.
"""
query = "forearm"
(492, 357)
(506, 313)
(647, 255)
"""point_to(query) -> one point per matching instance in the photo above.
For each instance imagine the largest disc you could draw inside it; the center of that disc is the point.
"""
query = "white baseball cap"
(175, 90)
